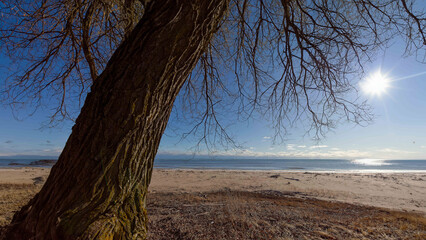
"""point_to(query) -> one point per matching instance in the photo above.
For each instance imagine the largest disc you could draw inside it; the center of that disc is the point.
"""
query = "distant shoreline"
(35, 163)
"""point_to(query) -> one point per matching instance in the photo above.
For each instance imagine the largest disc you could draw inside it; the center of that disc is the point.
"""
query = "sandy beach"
(401, 192)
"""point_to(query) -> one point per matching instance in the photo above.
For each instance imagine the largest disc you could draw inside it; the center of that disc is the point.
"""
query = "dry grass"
(273, 215)
(252, 215)
(13, 197)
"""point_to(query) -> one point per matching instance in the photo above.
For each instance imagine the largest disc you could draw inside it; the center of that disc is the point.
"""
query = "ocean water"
(333, 165)
(357, 165)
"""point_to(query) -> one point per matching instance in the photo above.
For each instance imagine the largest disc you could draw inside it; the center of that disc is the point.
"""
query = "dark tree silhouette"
(285, 59)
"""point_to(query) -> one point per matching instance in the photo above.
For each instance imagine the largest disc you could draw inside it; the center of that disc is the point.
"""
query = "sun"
(376, 84)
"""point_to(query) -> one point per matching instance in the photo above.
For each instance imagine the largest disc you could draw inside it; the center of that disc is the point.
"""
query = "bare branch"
(291, 62)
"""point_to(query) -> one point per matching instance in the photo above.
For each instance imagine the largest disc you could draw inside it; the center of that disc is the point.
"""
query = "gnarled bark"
(98, 187)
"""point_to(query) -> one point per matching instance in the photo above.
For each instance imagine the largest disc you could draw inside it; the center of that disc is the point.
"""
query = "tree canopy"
(288, 60)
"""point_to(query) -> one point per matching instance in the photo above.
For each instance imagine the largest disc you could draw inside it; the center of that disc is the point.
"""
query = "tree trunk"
(98, 187)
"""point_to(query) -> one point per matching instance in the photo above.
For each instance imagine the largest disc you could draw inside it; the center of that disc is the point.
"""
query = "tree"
(288, 59)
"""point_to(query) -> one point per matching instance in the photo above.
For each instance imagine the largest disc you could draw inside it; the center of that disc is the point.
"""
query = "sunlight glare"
(376, 84)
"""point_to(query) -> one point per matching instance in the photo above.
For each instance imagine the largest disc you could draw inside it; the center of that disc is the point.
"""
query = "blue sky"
(398, 130)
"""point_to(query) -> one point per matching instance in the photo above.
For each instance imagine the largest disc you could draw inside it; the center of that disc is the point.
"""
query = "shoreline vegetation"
(221, 204)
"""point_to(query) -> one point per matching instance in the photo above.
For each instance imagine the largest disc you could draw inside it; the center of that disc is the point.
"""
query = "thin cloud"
(47, 143)
(319, 152)
(388, 150)
(291, 147)
(51, 152)
(318, 146)
(342, 154)
(266, 137)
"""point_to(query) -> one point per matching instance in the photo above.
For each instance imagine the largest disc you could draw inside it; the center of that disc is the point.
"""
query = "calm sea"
(366, 165)
(358, 165)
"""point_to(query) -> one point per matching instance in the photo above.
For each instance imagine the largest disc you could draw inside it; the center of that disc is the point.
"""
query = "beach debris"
(274, 176)
(38, 180)
(294, 179)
